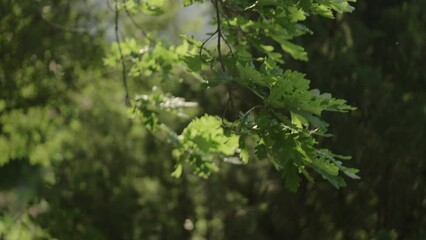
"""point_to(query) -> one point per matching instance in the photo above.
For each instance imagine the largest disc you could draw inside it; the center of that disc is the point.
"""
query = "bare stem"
(123, 64)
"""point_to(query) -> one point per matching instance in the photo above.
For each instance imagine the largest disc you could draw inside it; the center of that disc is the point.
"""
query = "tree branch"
(123, 64)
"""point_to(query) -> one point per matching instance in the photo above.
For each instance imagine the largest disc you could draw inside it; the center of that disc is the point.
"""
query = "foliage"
(253, 40)
(73, 166)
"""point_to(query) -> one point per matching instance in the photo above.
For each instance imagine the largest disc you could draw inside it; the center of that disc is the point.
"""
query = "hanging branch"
(123, 64)
(66, 28)
(219, 35)
(62, 27)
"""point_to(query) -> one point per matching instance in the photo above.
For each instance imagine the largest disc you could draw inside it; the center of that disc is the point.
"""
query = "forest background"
(75, 166)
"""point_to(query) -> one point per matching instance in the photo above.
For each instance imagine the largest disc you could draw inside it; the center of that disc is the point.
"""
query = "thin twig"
(64, 28)
(229, 46)
(230, 98)
(224, 38)
(133, 21)
(123, 64)
(219, 50)
(219, 33)
(204, 43)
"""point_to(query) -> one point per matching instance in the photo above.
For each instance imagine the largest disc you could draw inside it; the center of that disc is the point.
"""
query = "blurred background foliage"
(74, 166)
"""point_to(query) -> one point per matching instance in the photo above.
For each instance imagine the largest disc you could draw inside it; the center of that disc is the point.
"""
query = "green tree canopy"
(218, 126)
